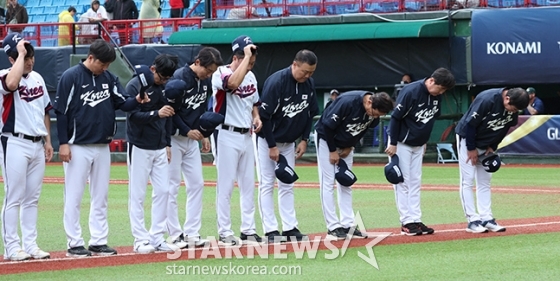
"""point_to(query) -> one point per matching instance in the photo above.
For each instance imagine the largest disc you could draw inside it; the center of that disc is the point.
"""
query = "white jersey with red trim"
(236, 105)
(23, 111)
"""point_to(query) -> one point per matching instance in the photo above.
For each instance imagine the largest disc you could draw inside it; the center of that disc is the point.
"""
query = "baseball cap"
(343, 175)
(10, 42)
(241, 42)
(334, 92)
(95, 2)
(174, 91)
(531, 90)
(284, 172)
(393, 172)
(145, 75)
(490, 162)
(208, 122)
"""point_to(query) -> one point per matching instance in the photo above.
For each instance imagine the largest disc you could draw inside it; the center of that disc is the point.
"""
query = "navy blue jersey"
(287, 107)
(537, 104)
(144, 128)
(88, 103)
(345, 121)
(414, 115)
(194, 103)
(487, 119)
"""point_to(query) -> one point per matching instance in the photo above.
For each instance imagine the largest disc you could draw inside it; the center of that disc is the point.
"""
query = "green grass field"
(513, 257)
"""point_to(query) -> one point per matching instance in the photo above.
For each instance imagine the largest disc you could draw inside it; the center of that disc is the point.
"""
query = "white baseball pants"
(327, 183)
(235, 160)
(185, 160)
(468, 173)
(93, 162)
(23, 169)
(267, 176)
(407, 193)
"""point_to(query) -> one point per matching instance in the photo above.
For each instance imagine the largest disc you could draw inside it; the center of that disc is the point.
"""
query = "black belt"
(235, 129)
(31, 138)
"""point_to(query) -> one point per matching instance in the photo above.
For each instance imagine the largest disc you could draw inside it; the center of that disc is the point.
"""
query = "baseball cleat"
(250, 239)
(78, 252)
(336, 234)
(493, 226)
(40, 254)
(425, 229)
(274, 237)
(411, 229)
(102, 250)
(229, 240)
(167, 247)
(19, 255)
(353, 233)
(476, 227)
(295, 235)
(144, 248)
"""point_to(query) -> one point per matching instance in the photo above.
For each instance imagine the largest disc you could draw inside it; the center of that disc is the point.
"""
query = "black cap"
(343, 175)
(284, 172)
(490, 162)
(208, 122)
(393, 172)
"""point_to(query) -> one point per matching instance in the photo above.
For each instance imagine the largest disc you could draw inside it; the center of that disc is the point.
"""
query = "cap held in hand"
(144, 74)
(208, 122)
(174, 91)
(284, 172)
(393, 172)
(343, 175)
(490, 162)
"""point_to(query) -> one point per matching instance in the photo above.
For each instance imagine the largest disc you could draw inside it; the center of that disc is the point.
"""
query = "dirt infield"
(126, 256)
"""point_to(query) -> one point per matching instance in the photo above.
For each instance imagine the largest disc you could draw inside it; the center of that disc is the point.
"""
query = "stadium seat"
(32, 3)
(382, 7)
(50, 10)
(69, 3)
(46, 3)
(304, 7)
(49, 42)
(35, 10)
(51, 18)
(38, 19)
(166, 13)
(334, 7)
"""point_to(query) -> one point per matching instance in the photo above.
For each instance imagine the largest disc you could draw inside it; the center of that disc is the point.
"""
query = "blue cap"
(490, 162)
(241, 42)
(343, 175)
(174, 91)
(284, 172)
(144, 74)
(10, 42)
(393, 172)
(208, 121)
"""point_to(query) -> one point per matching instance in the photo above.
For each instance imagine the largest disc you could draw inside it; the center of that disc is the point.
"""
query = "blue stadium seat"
(35, 10)
(49, 42)
(305, 7)
(50, 10)
(59, 9)
(164, 5)
(69, 3)
(382, 7)
(32, 3)
(46, 3)
(46, 31)
(29, 31)
(51, 18)
(166, 13)
(38, 19)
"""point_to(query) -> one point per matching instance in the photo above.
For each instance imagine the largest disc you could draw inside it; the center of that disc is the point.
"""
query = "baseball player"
(536, 105)
(288, 104)
(26, 144)
(412, 121)
(186, 159)
(149, 154)
(340, 127)
(479, 132)
(85, 104)
(236, 97)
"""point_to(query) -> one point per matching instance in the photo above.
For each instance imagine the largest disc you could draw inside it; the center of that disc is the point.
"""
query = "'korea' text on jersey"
(193, 104)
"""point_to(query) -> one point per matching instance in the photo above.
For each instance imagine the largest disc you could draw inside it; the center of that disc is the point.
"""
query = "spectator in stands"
(124, 10)
(178, 7)
(64, 37)
(109, 6)
(16, 14)
(94, 15)
(152, 30)
(242, 13)
(536, 106)
(406, 78)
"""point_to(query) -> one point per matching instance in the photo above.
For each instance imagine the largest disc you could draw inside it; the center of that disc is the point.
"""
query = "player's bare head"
(207, 62)
(443, 77)
(102, 51)
(381, 102)
(165, 65)
(516, 99)
(304, 65)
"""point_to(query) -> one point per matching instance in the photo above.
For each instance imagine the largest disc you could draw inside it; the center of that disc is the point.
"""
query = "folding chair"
(446, 147)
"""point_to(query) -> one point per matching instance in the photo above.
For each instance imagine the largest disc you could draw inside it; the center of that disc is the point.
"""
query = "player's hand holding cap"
(343, 175)
(174, 91)
(490, 162)
(241, 42)
(208, 122)
(10, 42)
(284, 172)
(393, 172)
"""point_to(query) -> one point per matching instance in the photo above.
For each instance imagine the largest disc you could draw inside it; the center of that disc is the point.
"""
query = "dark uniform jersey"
(414, 115)
(193, 104)
(487, 121)
(87, 103)
(345, 121)
(144, 128)
(287, 107)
